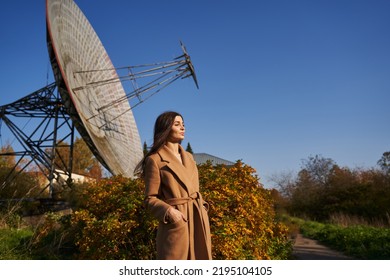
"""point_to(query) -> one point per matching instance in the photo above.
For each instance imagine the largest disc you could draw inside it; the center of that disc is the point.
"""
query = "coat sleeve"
(157, 207)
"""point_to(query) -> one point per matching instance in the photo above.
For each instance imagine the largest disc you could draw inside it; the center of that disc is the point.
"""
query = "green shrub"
(360, 242)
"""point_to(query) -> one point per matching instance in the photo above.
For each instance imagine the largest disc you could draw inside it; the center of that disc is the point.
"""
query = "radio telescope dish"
(74, 47)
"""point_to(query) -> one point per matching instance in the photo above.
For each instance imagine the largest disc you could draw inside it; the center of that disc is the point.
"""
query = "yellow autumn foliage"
(112, 223)
(242, 216)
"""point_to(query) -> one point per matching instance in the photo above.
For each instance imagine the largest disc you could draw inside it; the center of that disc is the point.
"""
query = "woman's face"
(177, 132)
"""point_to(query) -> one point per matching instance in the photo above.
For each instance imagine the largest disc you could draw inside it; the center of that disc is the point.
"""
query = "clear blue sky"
(279, 80)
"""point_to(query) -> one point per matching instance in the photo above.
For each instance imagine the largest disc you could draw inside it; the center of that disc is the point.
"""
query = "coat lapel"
(184, 171)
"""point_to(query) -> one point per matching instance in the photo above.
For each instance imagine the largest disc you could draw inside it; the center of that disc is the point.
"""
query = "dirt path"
(309, 249)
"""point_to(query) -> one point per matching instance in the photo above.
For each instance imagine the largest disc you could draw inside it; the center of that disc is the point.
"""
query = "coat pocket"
(173, 241)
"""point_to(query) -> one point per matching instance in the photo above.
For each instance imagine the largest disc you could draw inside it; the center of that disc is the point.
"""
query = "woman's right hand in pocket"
(174, 215)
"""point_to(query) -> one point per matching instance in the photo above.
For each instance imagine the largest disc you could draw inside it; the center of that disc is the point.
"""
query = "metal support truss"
(155, 77)
(52, 129)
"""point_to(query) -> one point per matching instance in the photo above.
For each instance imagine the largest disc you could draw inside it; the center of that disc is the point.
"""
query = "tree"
(305, 196)
(319, 168)
(24, 185)
(61, 159)
(83, 159)
(384, 162)
(96, 170)
(145, 148)
(6, 158)
(189, 148)
(284, 182)
(84, 162)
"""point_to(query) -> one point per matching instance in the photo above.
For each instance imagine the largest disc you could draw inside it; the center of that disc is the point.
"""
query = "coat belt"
(182, 200)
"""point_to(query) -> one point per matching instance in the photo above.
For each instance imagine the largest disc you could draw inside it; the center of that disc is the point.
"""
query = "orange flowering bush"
(112, 223)
(242, 216)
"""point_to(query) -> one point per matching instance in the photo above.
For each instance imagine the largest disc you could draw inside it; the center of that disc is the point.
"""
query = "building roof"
(202, 158)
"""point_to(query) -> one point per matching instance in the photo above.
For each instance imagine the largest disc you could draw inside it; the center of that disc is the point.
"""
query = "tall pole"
(53, 150)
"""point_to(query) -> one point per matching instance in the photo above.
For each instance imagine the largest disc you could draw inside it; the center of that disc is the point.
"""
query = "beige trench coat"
(170, 183)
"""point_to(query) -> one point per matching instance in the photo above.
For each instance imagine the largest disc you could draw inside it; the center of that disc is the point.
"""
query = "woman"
(172, 193)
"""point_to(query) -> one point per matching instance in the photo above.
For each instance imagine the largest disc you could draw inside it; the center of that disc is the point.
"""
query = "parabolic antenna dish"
(74, 47)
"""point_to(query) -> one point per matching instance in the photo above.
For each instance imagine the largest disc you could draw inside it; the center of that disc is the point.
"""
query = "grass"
(358, 241)
(12, 245)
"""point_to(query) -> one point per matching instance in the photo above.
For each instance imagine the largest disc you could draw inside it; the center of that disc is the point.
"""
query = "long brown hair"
(162, 128)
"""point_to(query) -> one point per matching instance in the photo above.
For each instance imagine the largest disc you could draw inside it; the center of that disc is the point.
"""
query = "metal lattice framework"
(39, 145)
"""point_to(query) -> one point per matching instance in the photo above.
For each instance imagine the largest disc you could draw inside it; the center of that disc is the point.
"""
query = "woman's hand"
(174, 215)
